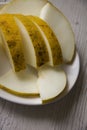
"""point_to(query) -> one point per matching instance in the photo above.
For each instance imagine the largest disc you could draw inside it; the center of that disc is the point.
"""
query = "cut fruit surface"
(51, 41)
(35, 50)
(21, 83)
(12, 42)
(62, 29)
(51, 82)
(25, 7)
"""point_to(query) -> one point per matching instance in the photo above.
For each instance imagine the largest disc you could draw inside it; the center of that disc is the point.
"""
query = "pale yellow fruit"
(51, 41)
(62, 29)
(25, 7)
(35, 50)
(51, 82)
(4, 64)
(12, 42)
(22, 83)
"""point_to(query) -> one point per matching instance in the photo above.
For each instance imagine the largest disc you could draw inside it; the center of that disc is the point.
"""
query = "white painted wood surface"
(71, 112)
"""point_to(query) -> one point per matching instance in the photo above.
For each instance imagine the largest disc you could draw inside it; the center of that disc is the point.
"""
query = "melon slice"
(4, 63)
(12, 42)
(35, 50)
(51, 82)
(51, 41)
(22, 83)
(62, 29)
(25, 7)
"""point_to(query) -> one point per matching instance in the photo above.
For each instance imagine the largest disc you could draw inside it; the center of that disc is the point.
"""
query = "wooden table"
(71, 112)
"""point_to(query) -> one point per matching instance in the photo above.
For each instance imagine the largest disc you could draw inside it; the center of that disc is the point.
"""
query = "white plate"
(71, 70)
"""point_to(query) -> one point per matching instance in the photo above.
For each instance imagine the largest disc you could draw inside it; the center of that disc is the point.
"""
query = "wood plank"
(71, 112)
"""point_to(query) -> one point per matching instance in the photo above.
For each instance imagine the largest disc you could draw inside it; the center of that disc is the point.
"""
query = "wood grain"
(71, 112)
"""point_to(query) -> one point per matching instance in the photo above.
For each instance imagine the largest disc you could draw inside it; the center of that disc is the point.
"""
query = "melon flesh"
(62, 29)
(21, 83)
(51, 82)
(4, 64)
(25, 7)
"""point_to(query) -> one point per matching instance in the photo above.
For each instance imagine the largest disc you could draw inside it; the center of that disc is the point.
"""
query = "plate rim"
(38, 100)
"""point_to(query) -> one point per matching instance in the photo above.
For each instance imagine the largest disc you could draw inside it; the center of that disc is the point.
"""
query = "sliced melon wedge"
(22, 83)
(12, 42)
(4, 63)
(51, 41)
(51, 82)
(25, 7)
(62, 29)
(35, 50)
